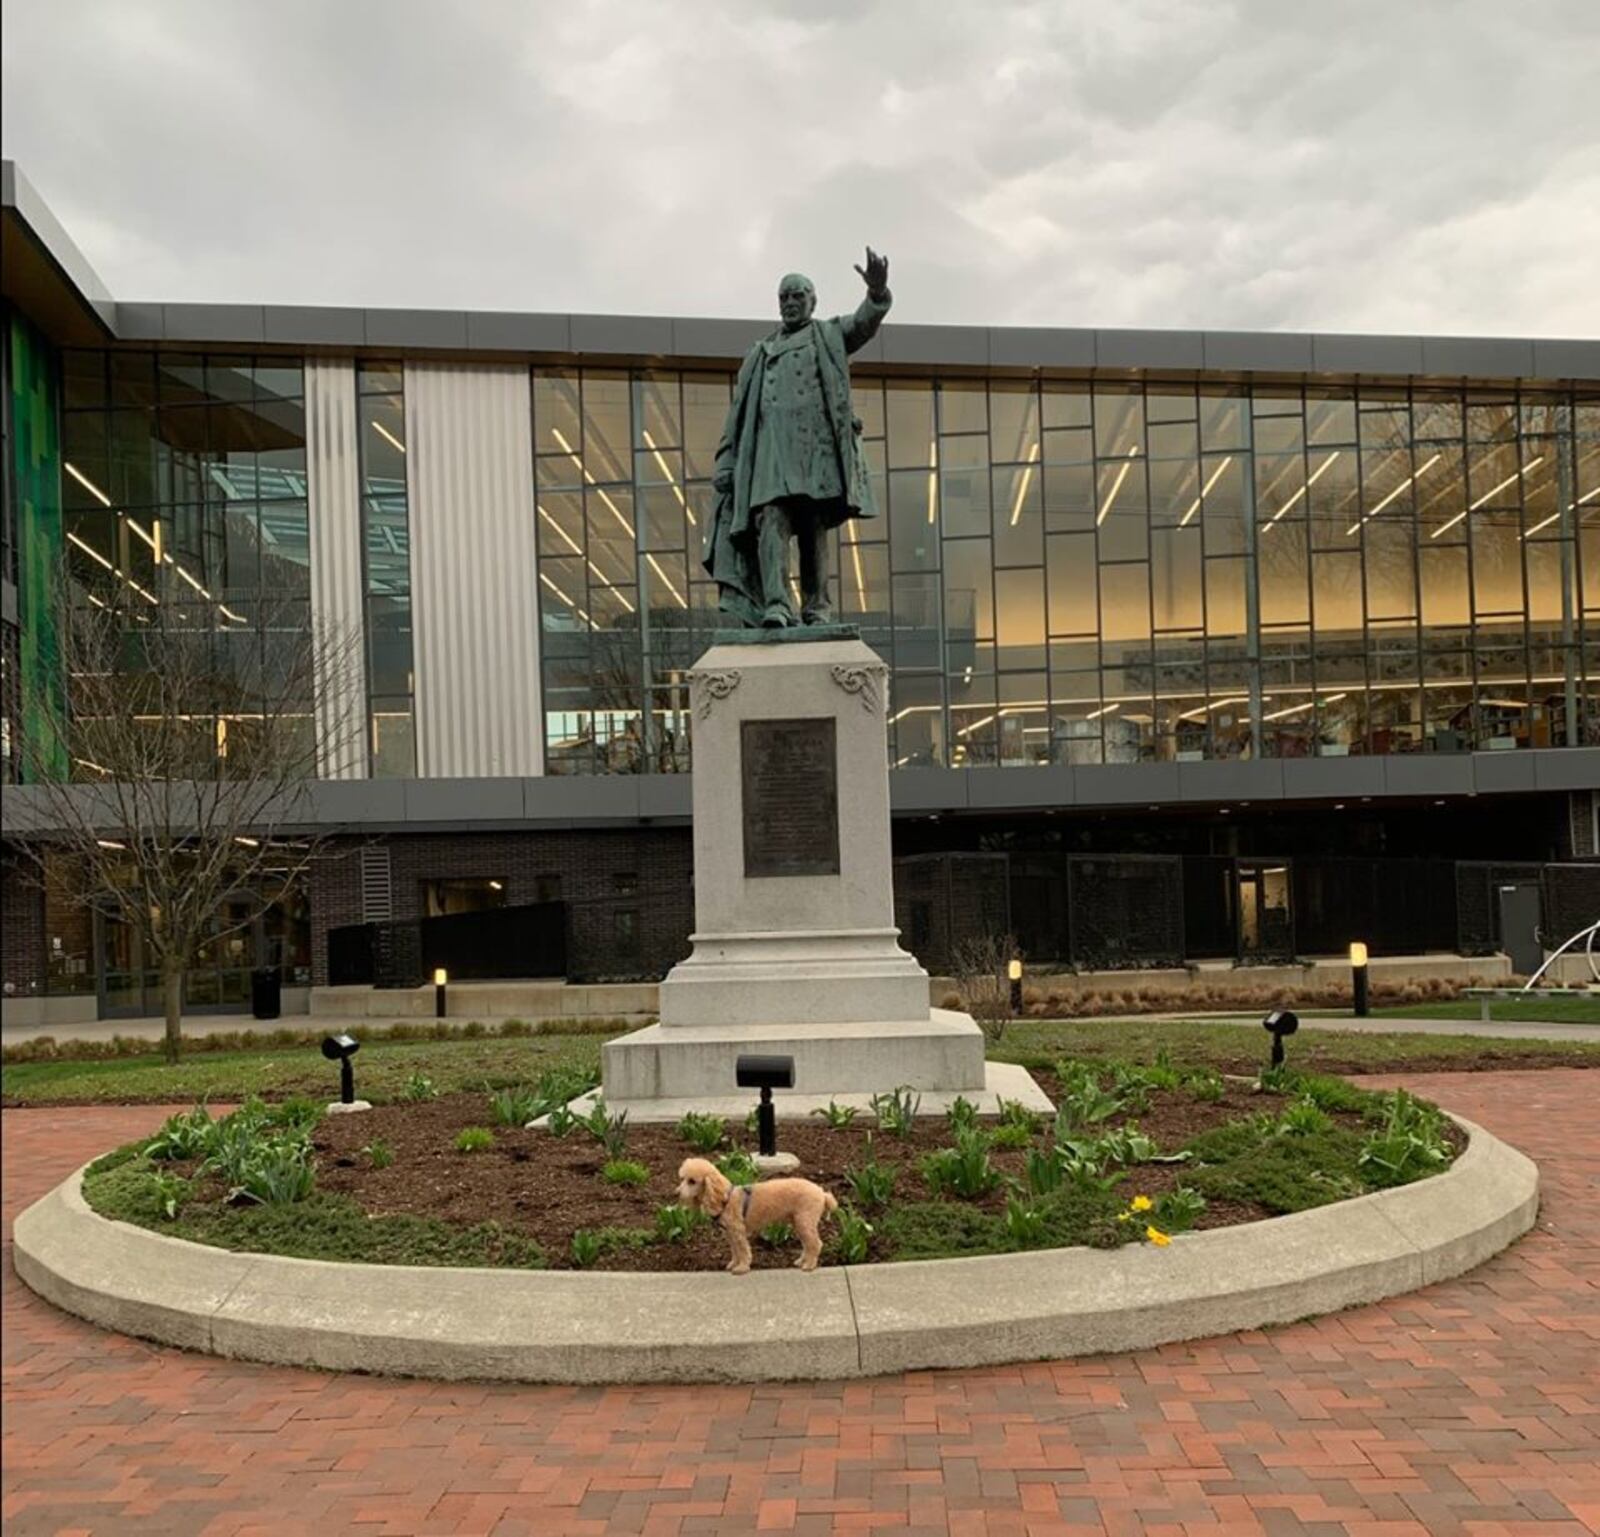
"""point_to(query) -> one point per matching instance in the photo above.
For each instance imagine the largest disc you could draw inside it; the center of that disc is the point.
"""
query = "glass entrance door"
(217, 983)
(128, 988)
(1266, 922)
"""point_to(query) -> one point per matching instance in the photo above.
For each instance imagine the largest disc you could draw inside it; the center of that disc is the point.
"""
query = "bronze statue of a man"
(790, 463)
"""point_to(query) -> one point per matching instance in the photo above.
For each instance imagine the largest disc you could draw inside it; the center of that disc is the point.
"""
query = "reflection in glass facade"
(183, 490)
(386, 570)
(1108, 573)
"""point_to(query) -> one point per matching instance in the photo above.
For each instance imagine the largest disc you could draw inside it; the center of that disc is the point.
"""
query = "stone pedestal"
(795, 946)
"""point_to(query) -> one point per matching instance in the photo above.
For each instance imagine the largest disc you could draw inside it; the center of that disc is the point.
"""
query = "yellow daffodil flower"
(1157, 1237)
(1141, 1203)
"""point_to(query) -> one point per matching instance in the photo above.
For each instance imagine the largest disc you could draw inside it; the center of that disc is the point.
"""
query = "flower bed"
(1134, 1154)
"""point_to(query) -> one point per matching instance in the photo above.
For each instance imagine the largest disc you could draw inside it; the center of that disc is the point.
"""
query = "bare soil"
(548, 1187)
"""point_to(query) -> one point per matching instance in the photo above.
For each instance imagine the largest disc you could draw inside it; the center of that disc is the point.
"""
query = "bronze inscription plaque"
(791, 797)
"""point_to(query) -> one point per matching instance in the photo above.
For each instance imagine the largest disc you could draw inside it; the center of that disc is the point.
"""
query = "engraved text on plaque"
(791, 797)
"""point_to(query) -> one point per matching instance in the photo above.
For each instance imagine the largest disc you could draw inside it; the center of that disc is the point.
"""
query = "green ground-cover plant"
(872, 1182)
(168, 1191)
(474, 1139)
(1025, 1223)
(897, 1111)
(853, 1237)
(1042, 1172)
(323, 1226)
(836, 1115)
(776, 1234)
(419, 1086)
(189, 1134)
(608, 1129)
(624, 1171)
(739, 1167)
(378, 1153)
(559, 1120)
(962, 1114)
(1304, 1117)
(1205, 1084)
(591, 1244)
(674, 1224)
(515, 1106)
(704, 1133)
(1011, 1134)
(964, 1169)
(1409, 1143)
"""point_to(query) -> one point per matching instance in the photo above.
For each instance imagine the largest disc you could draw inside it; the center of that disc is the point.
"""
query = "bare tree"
(189, 737)
(981, 964)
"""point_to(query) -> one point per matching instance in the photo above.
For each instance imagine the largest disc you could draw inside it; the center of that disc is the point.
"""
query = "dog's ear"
(718, 1184)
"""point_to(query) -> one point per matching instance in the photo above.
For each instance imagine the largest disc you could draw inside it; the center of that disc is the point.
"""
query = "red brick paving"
(1472, 1407)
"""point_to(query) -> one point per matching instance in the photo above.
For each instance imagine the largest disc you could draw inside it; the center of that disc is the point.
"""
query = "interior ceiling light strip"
(1311, 480)
(600, 491)
(1116, 485)
(578, 551)
(666, 470)
(1493, 491)
(1205, 490)
(1416, 474)
(1022, 488)
(87, 484)
(1571, 507)
(384, 432)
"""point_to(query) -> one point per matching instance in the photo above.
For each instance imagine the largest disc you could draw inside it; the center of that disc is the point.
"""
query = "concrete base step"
(1002, 1081)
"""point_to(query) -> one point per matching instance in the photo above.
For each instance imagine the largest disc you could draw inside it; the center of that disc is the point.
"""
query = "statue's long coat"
(729, 553)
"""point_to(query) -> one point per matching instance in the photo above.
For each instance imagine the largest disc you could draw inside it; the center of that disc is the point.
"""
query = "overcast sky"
(1342, 165)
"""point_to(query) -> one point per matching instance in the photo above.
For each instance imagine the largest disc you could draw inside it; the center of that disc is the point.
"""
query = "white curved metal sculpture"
(1588, 936)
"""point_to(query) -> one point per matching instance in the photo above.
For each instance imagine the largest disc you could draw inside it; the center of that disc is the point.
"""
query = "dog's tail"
(830, 1202)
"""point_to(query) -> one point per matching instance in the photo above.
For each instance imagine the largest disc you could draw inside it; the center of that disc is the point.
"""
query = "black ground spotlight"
(340, 1049)
(1280, 1022)
(766, 1074)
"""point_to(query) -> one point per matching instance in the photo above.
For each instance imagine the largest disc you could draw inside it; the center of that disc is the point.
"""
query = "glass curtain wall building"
(1108, 573)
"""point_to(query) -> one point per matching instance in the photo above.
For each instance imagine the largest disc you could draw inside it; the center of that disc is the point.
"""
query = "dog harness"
(727, 1205)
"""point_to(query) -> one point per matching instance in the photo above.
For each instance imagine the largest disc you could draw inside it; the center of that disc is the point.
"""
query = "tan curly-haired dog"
(742, 1209)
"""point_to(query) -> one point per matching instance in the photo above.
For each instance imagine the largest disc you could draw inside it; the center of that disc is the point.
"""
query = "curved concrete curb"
(533, 1326)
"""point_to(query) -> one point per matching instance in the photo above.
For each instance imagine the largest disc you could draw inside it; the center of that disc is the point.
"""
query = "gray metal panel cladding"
(475, 616)
(334, 511)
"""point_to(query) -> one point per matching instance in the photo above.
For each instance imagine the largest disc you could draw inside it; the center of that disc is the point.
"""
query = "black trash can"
(266, 992)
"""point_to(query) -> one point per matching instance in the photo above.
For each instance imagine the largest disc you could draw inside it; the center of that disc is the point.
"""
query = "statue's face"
(796, 300)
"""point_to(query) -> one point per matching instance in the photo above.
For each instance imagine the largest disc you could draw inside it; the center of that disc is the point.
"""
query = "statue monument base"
(796, 952)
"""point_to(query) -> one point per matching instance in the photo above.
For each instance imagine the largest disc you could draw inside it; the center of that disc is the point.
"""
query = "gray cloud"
(1426, 166)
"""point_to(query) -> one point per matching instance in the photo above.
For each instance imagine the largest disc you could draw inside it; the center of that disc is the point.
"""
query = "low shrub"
(854, 1236)
(739, 1167)
(873, 1182)
(897, 1111)
(1409, 1144)
(515, 1107)
(624, 1171)
(836, 1115)
(704, 1133)
(167, 1190)
(962, 1170)
(674, 1224)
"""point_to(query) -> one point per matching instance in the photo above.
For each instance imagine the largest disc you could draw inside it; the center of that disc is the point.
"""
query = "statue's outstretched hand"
(876, 273)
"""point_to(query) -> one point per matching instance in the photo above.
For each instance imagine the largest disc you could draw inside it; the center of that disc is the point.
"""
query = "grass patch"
(383, 1070)
(323, 1226)
(1243, 1048)
(1531, 1011)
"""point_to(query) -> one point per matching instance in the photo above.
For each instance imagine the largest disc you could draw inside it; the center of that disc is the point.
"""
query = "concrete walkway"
(1469, 1407)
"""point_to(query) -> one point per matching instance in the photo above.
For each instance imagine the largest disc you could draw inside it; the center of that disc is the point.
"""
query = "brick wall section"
(595, 867)
(22, 968)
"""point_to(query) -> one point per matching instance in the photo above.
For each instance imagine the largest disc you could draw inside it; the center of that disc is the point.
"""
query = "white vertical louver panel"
(334, 511)
(474, 615)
